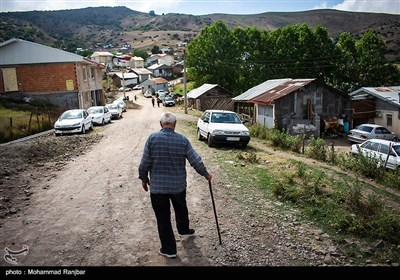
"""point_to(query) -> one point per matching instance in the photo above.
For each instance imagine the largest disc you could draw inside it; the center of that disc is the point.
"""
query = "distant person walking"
(152, 101)
(164, 159)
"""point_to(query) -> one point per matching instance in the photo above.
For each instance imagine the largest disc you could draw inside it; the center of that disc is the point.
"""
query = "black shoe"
(167, 255)
(189, 233)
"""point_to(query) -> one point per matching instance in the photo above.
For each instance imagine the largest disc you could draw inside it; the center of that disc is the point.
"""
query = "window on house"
(84, 73)
(10, 79)
(92, 73)
(389, 120)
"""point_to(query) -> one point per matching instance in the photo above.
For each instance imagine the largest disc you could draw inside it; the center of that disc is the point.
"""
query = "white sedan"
(383, 151)
(219, 126)
(73, 121)
(115, 110)
(100, 114)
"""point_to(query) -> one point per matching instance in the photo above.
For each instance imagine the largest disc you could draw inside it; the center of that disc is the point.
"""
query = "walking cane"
(215, 212)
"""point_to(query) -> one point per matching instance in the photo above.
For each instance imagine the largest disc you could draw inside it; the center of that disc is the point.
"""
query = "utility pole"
(184, 80)
(123, 82)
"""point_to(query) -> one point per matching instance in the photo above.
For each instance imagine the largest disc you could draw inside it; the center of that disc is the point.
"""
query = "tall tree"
(251, 49)
(345, 76)
(209, 59)
(374, 69)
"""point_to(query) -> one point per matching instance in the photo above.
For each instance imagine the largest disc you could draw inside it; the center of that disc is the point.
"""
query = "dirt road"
(90, 210)
(95, 212)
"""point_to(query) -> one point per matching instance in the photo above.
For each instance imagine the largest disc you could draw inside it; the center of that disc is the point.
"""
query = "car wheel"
(91, 126)
(244, 145)
(199, 136)
(83, 131)
(210, 141)
(102, 122)
(57, 134)
(395, 139)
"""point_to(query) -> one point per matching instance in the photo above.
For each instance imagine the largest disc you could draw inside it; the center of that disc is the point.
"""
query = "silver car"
(370, 131)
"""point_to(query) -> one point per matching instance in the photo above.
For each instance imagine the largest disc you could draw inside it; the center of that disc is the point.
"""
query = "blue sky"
(202, 7)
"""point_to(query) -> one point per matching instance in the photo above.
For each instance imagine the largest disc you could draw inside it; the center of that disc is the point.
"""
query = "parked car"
(121, 103)
(100, 114)
(73, 121)
(148, 94)
(219, 126)
(115, 110)
(126, 89)
(168, 101)
(137, 87)
(380, 150)
(161, 94)
(370, 131)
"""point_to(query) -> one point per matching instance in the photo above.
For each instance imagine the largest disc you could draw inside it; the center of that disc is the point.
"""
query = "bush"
(316, 149)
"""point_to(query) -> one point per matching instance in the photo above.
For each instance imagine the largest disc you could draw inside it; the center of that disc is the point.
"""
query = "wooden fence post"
(37, 119)
(30, 122)
(11, 128)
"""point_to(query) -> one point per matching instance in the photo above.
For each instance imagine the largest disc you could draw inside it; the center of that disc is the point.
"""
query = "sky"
(204, 7)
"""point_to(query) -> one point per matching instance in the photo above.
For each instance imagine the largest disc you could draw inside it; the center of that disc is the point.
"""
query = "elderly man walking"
(164, 159)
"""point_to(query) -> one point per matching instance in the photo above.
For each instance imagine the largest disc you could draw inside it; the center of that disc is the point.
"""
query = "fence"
(15, 127)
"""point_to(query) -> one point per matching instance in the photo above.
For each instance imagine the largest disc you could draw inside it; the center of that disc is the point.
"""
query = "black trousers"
(161, 207)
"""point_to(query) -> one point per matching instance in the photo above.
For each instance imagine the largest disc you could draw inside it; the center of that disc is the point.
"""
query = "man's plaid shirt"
(164, 157)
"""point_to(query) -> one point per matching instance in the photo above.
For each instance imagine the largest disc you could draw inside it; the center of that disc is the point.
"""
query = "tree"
(152, 13)
(209, 58)
(155, 50)
(140, 53)
(374, 69)
(345, 75)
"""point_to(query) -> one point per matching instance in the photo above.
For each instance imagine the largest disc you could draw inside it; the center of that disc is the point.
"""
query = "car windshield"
(112, 107)
(95, 110)
(225, 118)
(169, 99)
(365, 128)
(71, 115)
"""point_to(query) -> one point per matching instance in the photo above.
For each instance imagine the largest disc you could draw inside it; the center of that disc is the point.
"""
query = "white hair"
(168, 118)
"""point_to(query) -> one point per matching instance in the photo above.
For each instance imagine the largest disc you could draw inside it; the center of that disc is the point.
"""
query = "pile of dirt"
(21, 163)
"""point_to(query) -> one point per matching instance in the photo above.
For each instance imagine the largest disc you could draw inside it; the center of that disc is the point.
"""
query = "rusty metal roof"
(280, 90)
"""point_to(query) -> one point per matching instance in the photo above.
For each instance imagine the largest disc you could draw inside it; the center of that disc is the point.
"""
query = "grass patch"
(19, 119)
(339, 204)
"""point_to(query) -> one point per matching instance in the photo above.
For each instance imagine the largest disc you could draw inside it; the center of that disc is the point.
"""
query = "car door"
(107, 114)
(370, 149)
(203, 122)
(87, 120)
(386, 134)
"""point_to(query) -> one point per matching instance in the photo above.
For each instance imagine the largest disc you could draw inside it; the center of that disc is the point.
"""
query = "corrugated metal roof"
(17, 51)
(259, 89)
(141, 71)
(195, 93)
(126, 75)
(158, 66)
(280, 90)
(388, 94)
(96, 54)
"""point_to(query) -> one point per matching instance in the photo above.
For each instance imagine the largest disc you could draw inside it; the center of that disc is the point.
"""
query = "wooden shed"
(210, 96)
